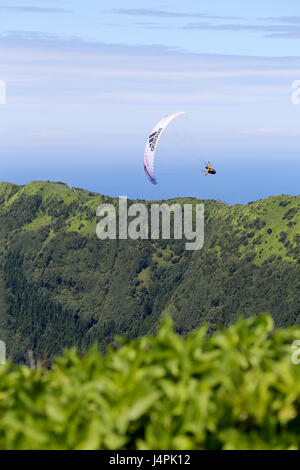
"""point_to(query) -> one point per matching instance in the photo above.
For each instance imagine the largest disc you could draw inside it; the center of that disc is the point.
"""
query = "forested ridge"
(62, 286)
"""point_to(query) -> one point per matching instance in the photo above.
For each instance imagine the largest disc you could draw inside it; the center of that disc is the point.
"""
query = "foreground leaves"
(237, 389)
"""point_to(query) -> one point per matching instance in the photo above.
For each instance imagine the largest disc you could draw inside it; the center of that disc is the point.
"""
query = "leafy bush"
(236, 389)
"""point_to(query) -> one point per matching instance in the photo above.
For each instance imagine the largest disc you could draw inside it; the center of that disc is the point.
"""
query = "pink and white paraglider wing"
(151, 144)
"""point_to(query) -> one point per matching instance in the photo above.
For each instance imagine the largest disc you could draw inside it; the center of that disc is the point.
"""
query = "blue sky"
(87, 81)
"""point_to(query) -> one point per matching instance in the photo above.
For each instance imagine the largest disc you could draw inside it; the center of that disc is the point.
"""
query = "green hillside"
(60, 285)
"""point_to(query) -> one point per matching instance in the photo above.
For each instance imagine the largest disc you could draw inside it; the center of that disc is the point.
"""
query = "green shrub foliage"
(234, 389)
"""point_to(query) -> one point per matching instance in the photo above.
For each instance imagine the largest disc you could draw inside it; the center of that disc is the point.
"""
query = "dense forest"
(61, 286)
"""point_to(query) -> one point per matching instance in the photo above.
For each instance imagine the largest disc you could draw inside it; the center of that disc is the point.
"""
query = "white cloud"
(270, 132)
(63, 89)
(42, 66)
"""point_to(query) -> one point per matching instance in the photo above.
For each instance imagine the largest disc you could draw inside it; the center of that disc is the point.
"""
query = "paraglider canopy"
(151, 144)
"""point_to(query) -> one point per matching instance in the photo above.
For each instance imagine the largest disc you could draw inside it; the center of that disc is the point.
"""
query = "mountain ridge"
(62, 286)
